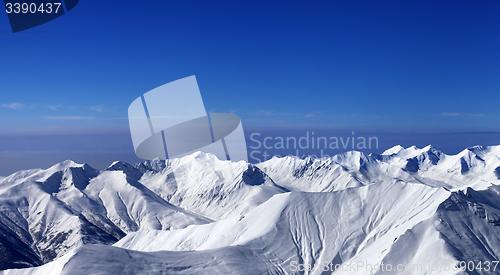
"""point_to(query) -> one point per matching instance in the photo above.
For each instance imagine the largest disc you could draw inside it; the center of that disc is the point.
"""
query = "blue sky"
(406, 70)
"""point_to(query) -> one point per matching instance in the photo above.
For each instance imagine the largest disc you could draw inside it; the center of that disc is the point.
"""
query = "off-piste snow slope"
(413, 211)
(46, 213)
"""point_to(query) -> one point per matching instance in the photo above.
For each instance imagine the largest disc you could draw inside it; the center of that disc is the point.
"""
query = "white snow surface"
(200, 215)
(68, 205)
(213, 188)
(476, 167)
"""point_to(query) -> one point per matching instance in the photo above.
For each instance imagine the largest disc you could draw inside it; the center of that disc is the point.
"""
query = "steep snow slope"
(99, 259)
(351, 169)
(416, 226)
(473, 167)
(35, 216)
(131, 206)
(206, 185)
(391, 224)
(405, 206)
(464, 229)
(309, 228)
(273, 238)
(477, 167)
(46, 213)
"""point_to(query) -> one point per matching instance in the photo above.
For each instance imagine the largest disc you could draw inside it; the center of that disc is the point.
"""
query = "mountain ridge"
(47, 213)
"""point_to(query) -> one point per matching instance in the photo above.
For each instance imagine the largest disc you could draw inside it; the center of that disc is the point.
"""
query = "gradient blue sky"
(413, 72)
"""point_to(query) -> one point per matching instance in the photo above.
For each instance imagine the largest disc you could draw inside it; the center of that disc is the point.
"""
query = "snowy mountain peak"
(349, 207)
(154, 165)
(77, 176)
(429, 148)
(478, 148)
(129, 169)
(64, 165)
(394, 150)
(410, 152)
(254, 176)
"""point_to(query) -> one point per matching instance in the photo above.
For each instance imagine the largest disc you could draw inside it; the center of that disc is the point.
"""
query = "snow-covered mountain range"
(411, 208)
